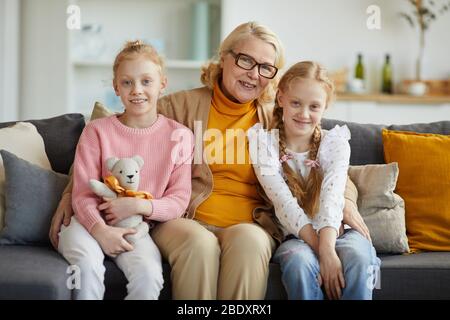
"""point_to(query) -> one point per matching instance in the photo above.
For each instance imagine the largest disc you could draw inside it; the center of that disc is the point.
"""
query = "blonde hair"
(132, 49)
(212, 71)
(307, 191)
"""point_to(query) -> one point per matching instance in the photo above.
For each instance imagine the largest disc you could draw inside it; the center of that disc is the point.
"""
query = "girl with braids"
(304, 173)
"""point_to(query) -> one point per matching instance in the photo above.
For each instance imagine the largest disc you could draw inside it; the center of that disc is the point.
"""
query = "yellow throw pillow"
(424, 184)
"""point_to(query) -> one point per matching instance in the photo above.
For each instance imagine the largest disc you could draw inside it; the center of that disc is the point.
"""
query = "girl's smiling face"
(303, 103)
(139, 84)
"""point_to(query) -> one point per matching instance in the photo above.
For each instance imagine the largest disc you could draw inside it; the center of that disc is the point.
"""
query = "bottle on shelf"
(357, 83)
(359, 69)
(387, 76)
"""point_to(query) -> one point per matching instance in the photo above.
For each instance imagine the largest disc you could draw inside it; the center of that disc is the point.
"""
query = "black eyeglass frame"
(238, 55)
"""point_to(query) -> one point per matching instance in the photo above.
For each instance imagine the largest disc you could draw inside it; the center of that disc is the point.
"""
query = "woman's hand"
(115, 210)
(354, 219)
(331, 273)
(62, 215)
(111, 239)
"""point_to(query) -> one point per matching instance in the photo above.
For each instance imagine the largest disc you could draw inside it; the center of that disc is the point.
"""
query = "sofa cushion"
(32, 195)
(424, 184)
(366, 143)
(60, 136)
(116, 282)
(100, 111)
(399, 276)
(440, 127)
(415, 276)
(28, 272)
(383, 211)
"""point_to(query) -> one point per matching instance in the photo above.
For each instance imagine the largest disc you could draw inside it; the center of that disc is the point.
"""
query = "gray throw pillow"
(31, 197)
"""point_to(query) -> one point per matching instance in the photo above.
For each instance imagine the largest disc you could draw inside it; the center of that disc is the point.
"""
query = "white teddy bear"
(124, 182)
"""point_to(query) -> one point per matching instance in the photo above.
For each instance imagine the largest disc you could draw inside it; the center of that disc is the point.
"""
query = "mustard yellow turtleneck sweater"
(234, 194)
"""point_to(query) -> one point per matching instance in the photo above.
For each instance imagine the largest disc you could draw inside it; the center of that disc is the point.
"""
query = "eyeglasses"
(248, 63)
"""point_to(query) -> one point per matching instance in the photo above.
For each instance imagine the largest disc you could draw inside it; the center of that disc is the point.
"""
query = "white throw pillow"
(383, 211)
(23, 140)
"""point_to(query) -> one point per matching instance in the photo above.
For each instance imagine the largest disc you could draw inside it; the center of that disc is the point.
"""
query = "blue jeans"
(300, 267)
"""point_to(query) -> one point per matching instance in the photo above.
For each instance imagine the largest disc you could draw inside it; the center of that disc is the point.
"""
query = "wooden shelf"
(393, 98)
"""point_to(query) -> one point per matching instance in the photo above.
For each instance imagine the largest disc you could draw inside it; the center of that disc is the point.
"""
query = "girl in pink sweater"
(166, 148)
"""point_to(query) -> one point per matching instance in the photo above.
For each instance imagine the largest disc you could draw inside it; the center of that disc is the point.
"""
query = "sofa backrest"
(366, 143)
(60, 135)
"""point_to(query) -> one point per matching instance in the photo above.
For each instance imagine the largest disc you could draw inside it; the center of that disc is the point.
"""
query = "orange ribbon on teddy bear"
(113, 184)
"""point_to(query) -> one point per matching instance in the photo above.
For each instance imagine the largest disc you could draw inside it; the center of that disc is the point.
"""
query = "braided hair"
(307, 191)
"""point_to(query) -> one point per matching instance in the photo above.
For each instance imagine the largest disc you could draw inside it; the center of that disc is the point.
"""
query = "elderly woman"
(222, 248)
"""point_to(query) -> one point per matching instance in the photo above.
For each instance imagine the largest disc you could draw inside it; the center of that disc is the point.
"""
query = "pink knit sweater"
(166, 148)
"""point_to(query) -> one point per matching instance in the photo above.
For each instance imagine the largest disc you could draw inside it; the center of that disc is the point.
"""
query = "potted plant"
(422, 14)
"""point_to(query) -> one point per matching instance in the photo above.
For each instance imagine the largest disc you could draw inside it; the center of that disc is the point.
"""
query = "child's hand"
(111, 239)
(331, 274)
(309, 235)
(115, 210)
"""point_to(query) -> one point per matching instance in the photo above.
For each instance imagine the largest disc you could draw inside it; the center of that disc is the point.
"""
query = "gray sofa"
(39, 272)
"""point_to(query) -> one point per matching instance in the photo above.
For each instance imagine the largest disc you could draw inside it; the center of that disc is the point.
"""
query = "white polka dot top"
(333, 157)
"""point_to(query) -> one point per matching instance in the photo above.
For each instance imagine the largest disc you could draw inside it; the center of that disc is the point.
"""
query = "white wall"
(333, 32)
(329, 31)
(44, 58)
(9, 61)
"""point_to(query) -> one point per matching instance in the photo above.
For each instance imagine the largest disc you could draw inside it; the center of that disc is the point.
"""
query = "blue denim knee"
(300, 268)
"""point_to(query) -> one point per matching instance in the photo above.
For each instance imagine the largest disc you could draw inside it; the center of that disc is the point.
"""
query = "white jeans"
(142, 266)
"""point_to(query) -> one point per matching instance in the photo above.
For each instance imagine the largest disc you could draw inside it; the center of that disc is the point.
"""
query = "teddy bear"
(124, 182)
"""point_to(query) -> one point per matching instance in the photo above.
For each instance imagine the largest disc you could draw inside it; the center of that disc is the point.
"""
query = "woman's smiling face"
(241, 85)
